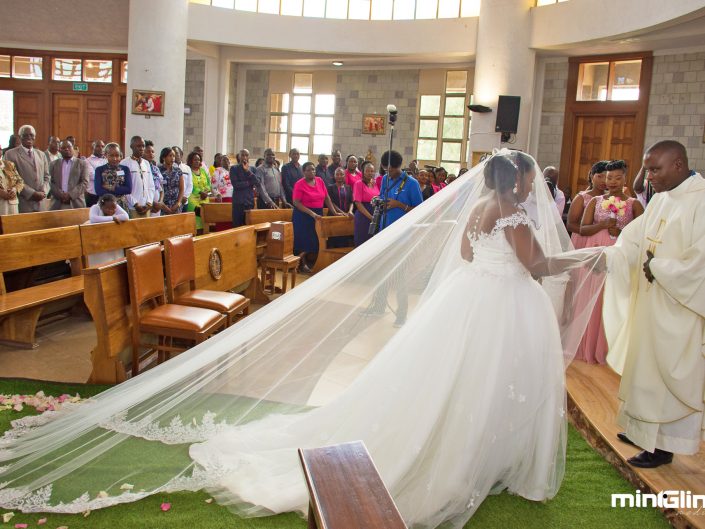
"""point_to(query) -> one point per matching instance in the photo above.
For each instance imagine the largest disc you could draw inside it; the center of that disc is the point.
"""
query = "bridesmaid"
(597, 187)
(604, 218)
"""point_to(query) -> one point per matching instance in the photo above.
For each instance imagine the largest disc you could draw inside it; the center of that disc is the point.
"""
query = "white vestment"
(656, 332)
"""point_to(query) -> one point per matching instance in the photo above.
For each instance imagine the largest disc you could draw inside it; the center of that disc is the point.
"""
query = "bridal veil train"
(465, 399)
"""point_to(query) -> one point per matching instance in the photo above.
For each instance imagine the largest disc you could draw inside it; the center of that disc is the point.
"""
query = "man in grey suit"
(32, 166)
(69, 179)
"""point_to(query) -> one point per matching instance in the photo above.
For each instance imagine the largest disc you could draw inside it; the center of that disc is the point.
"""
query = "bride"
(466, 399)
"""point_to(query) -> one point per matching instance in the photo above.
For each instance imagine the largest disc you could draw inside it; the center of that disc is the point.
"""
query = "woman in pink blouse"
(352, 173)
(364, 191)
(309, 195)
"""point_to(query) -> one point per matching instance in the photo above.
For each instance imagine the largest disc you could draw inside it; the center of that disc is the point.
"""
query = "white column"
(212, 106)
(156, 51)
(504, 65)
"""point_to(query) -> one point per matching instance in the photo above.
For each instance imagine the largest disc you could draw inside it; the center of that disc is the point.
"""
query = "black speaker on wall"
(507, 114)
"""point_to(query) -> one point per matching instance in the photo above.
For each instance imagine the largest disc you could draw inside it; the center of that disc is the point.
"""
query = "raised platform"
(592, 405)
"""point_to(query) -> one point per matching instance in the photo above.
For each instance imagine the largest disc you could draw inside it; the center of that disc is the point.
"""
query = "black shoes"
(654, 459)
(623, 437)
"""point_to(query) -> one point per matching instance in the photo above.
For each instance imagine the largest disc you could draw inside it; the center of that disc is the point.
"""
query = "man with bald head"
(550, 173)
(654, 312)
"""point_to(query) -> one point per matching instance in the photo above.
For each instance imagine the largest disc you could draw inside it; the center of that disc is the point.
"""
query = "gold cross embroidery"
(656, 238)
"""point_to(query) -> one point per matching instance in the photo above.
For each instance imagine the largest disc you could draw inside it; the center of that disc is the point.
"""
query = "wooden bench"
(214, 212)
(258, 216)
(345, 489)
(42, 220)
(107, 295)
(327, 227)
(20, 310)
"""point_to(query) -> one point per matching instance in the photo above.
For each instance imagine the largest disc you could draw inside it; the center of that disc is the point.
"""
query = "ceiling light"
(337, 63)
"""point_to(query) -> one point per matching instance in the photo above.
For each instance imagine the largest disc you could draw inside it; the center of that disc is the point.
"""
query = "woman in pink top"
(596, 178)
(309, 195)
(352, 173)
(364, 191)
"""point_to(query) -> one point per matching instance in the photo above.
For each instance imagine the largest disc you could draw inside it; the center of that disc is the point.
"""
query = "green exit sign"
(80, 87)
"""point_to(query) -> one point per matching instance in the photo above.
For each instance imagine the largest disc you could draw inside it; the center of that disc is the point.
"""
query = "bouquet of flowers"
(616, 206)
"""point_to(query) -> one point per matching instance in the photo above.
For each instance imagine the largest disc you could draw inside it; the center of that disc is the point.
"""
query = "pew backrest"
(334, 227)
(212, 212)
(236, 258)
(258, 216)
(42, 220)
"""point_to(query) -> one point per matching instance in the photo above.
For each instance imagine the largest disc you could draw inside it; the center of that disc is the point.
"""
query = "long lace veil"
(298, 353)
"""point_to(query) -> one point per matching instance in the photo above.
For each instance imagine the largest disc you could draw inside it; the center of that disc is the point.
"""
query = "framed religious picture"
(148, 102)
(373, 124)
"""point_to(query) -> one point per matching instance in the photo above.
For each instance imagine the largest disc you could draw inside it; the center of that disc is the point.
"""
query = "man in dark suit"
(33, 167)
(69, 179)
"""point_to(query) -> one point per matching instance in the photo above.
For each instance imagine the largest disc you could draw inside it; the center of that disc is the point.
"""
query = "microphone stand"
(392, 121)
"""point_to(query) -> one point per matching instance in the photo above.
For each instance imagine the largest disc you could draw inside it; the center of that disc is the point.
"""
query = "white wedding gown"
(451, 409)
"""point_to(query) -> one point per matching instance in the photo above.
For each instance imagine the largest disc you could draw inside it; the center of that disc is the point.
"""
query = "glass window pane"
(453, 128)
(302, 104)
(426, 8)
(228, 4)
(279, 103)
(337, 9)
(268, 6)
(404, 9)
(592, 81)
(426, 149)
(323, 126)
(470, 8)
(96, 71)
(123, 75)
(278, 142)
(455, 106)
(7, 120)
(315, 8)
(359, 9)
(4, 66)
(67, 70)
(322, 144)
(626, 80)
(451, 167)
(325, 104)
(246, 5)
(279, 124)
(382, 9)
(428, 128)
(448, 8)
(201, 2)
(456, 82)
(292, 7)
(430, 106)
(27, 67)
(301, 124)
(451, 151)
(300, 143)
(303, 83)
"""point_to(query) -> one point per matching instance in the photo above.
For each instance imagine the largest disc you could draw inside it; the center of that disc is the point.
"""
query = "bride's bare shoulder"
(486, 213)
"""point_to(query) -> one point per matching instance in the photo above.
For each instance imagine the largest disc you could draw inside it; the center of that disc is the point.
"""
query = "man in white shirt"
(188, 175)
(52, 151)
(140, 200)
(551, 173)
(95, 160)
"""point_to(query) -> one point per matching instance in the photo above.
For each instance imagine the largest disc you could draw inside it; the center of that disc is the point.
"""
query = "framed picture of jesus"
(148, 102)
(373, 124)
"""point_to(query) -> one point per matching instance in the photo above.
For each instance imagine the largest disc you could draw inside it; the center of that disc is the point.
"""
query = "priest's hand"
(647, 269)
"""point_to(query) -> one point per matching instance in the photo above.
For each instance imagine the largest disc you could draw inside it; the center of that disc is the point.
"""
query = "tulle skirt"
(451, 409)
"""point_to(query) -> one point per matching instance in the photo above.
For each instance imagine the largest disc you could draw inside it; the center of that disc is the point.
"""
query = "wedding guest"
(173, 182)
(201, 186)
(322, 170)
(451, 178)
(604, 218)
(69, 179)
(222, 188)
(309, 196)
(11, 185)
(158, 201)
(270, 178)
(441, 175)
(551, 174)
(259, 162)
(244, 182)
(426, 189)
(413, 168)
(141, 197)
(217, 161)
(643, 188)
(186, 171)
(14, 141)
(291, 173)
(113, 178)
(352, 173)
(107, 210)
(32, 167)
(95, 160)
(340, 193)
(596, 187)
(335, 163)
(52, 152)
(363, 193)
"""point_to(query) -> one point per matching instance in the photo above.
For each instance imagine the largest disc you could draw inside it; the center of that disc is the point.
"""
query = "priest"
(654, 313)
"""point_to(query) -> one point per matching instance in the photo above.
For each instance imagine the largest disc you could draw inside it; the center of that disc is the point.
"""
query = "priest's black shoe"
(623, 437)
(655, 459)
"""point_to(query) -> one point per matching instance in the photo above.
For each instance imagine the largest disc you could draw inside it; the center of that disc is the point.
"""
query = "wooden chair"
(181, 279)
(152, 315)
(345, 489)
(270, 265)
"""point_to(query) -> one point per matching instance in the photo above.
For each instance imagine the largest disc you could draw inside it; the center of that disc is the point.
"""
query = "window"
(315, 8)
(7, 121)
(359, 9)
(292, 7)
(301, 120)
(609, 81)
(5, 66)
(67, 70)
(27, 67)
(444, 122)
(97, 71)
(337, 9)
(123, 72)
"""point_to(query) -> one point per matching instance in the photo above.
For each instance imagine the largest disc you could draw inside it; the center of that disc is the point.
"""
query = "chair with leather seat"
(181, 282)
(152, 315)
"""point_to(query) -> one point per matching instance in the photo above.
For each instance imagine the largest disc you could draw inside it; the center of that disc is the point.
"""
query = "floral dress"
(172, 182)
(220, 182)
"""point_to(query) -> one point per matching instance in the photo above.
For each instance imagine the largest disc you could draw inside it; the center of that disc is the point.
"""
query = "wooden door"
(87, 117)
(67, 117)
(601, 138)
(97, 120)
(29, 110)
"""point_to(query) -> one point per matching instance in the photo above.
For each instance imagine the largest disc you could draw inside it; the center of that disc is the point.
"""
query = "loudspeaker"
(507, 114)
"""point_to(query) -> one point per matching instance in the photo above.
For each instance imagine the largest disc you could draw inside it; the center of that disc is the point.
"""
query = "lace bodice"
(492, 253)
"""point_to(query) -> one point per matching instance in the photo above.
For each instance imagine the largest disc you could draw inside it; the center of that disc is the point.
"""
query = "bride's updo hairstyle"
(501, 171)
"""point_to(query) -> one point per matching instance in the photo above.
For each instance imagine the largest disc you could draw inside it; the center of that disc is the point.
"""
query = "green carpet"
(583, 501)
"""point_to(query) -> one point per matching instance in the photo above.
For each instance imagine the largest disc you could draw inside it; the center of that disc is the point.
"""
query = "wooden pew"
(107, 295)
(213, 212)
(331, 227)
(42, 220)
(20, 310)
(345, 489)
(258, 216)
